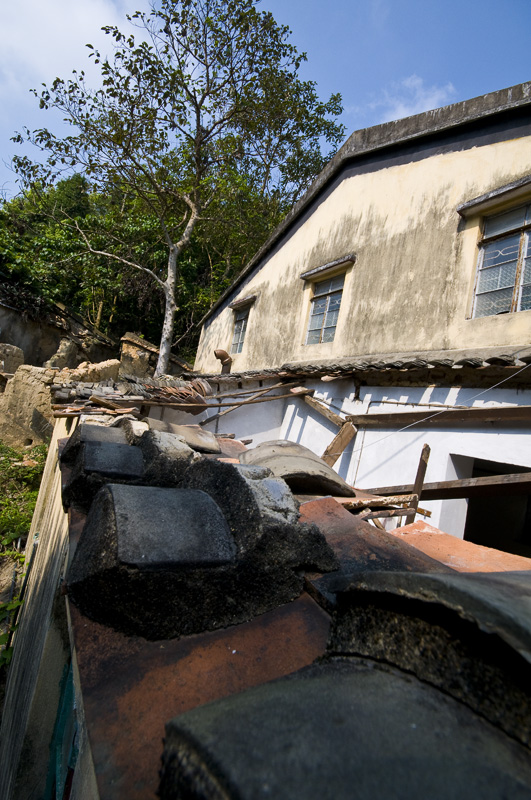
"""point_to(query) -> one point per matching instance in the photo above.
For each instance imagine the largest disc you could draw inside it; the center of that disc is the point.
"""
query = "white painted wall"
(388, 457)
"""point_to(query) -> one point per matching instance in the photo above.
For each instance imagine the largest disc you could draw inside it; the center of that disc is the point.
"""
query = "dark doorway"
(504, 521)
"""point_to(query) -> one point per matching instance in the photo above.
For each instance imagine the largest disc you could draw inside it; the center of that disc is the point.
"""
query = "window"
(325, 310)
(240, 326)
(504, 267)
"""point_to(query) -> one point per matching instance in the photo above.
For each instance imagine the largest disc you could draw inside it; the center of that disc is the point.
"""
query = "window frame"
(316, 296)
(241, 315)
(523, 231)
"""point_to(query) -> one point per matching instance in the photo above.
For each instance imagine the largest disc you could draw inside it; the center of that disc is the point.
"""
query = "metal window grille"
(503, 282)
(325, 310)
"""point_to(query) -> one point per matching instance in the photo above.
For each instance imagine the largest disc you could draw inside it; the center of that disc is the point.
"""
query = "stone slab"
(341, 730)
(113, 459)
(302, 469)
(195, 436)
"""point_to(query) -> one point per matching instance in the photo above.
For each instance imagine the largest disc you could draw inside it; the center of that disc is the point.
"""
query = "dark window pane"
(503, 250)
(505, 222)
(328, 334)
(337, 282)
(313, 337)
(331, 319)
(323, 287)
(316, 322)
(525, 299)
(493, 303)
(319, 305)
(335, 301)
(501, 277)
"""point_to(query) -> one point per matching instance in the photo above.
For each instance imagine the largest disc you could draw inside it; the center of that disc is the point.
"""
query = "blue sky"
(388, 58)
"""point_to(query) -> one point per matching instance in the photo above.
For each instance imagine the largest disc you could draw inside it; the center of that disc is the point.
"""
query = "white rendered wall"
(387, 457)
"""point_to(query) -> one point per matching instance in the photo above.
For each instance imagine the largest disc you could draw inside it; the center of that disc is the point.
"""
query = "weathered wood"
(386, 512)
(338, 444)
(205, 406)
(518, 415)
(98, 400)
(488, 486)
(326, 412)
(419, 481)
(257, 397)
(353, 503)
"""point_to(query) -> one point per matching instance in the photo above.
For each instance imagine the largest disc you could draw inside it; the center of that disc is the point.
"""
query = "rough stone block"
(263, 516)
(341, 730)
(85, 432)
(302, 469)
(195, 437)
(167, 457)
(467, 633)
(152, 528)
(11, 358)
(250, 497)
(162, 563)
(97, 463)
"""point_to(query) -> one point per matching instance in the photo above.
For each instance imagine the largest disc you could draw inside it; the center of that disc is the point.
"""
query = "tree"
(207, 104)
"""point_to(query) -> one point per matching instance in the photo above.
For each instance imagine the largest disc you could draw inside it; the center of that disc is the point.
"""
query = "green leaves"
(203, 128)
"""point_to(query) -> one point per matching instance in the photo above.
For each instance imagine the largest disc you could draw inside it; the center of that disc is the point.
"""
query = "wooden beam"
(257, 397)
(324, 411)
(347, 432)
(417, 486)
(488, 486)
(354, 503)
(517, 415)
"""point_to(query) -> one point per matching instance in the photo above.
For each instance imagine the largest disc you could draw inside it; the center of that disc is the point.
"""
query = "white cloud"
(411, 96)
(41, 40)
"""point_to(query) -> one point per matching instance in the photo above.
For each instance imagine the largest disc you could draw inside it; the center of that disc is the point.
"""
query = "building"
(400, 284)
(194, 626)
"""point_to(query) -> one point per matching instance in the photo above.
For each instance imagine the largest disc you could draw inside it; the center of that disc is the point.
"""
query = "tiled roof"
(196, 579)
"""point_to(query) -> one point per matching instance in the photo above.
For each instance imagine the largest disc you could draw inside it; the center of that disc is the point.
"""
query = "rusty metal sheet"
(132, 687)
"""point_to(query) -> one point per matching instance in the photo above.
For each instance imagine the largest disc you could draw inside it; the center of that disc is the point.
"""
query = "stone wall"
(26, 415)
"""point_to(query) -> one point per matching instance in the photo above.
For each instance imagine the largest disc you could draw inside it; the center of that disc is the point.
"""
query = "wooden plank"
(387, 512)
(488, 486)
(205, 406)
(347, 432)
(518, 415)
(257, 397)
(325, 411)
(419, 481)
(353, 503)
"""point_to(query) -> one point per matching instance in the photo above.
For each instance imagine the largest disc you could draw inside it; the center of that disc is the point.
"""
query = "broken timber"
(346, 434)
(417, 486)
(324, 410)
(488, 486)
(502, 415)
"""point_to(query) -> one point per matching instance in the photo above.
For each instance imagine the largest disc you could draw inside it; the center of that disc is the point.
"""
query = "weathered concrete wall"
(411, 287)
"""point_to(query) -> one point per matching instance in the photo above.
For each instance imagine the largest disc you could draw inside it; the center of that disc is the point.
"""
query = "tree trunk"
(98, 315)
(169, 315)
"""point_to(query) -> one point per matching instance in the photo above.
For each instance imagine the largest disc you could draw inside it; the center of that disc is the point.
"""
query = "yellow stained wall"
(412, 285)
